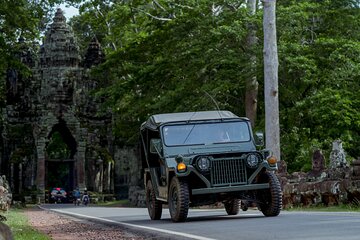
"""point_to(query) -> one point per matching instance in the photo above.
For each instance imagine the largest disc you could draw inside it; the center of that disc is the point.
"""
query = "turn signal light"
(181, 167)
(272, 160)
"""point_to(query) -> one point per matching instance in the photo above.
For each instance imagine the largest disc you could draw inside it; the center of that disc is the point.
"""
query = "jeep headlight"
(203, 163)
(252, 160)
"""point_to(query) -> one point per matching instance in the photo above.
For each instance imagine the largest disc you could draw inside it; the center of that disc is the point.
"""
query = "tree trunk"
(271, 94)
(20, 177)
(251, 83)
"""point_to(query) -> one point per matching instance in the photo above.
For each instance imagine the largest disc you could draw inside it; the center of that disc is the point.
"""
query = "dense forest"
(176, 55)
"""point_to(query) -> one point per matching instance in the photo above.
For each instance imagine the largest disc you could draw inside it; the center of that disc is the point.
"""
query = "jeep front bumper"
(228, 189)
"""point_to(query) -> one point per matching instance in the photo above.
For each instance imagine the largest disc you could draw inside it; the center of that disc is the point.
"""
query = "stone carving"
(5, 196)
(338, 184)
(355, 173)
(282, 166)
(318, 166)
(318, 161)
(338, 166)
(59, 61)
(60, 48)
(94, 54)
(337, 155)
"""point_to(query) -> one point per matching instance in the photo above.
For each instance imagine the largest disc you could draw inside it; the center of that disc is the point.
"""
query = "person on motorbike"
(77, 197)
(85, 198)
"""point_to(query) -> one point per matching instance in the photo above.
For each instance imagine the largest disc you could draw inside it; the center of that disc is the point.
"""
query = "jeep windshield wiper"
(189, 134)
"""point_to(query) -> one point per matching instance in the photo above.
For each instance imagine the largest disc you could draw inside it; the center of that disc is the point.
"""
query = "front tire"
(178, 200)
(270, 200)
(154, 206)
(232, 207)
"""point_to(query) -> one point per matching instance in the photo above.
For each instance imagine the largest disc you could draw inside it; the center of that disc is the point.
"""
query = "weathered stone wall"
(128, 172)
(338, 184)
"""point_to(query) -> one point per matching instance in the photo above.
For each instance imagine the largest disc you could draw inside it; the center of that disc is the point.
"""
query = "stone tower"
(55, 133)
(57, 73)
(54, 107)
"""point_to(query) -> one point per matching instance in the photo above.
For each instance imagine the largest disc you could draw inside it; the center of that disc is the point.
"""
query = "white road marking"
(133, 225)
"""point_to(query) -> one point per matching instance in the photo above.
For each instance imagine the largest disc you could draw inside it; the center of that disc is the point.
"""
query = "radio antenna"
(214, 101)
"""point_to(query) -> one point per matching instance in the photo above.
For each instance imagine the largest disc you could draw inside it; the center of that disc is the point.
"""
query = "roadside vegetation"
(117, 203)
(322, 208)
(20, 227)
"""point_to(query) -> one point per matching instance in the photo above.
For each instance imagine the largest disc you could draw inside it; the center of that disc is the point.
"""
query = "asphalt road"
(216, 224)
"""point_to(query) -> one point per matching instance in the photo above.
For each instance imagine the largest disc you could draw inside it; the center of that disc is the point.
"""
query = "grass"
(321, 208)
(118, 203)
(20, 227)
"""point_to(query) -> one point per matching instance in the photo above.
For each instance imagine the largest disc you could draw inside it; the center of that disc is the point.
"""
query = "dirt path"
(60, 227)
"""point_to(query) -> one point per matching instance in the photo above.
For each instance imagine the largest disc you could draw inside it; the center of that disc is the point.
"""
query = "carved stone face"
(337, 145)
(318, 161)
(64, 91)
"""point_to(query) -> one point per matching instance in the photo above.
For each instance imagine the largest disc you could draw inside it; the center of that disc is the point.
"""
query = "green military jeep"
(200, 158)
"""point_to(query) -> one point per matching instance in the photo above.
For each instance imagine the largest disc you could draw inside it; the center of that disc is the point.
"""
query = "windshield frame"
(191, 125)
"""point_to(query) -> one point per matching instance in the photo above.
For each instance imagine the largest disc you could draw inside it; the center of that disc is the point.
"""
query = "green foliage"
(175, 56)
(177, 66)
(57, 148)
(319, 79)
(104, 154)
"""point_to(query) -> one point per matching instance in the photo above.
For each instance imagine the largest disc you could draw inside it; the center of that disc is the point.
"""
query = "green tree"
(318, 76)
(168, 56)
(179, 65)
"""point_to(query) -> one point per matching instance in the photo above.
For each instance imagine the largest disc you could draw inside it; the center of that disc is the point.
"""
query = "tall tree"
(271, 93)
(252, 85)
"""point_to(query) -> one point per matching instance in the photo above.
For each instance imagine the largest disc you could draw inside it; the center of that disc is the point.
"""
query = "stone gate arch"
(59, 158)
(73, 136)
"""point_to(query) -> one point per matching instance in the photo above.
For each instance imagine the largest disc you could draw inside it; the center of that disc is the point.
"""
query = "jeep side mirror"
(259, 139)
(155, 145)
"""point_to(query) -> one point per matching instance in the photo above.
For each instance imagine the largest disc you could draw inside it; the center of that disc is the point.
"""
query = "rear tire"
(154, 206)
(232, 207)
(244, 205)
(178, 200)
(270, 200)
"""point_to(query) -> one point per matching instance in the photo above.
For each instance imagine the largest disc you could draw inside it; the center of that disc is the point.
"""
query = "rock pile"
(5, 194)
(5, 201)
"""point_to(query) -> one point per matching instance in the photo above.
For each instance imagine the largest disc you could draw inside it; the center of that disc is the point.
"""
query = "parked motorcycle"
(86, 199)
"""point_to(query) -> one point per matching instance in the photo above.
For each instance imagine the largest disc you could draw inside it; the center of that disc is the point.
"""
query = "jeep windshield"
(206, 133)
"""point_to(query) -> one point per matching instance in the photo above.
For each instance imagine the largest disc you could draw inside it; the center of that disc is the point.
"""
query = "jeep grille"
(228, 171)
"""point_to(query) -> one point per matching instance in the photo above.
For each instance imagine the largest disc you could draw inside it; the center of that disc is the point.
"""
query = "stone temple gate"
(54, 134)
(58, 73)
